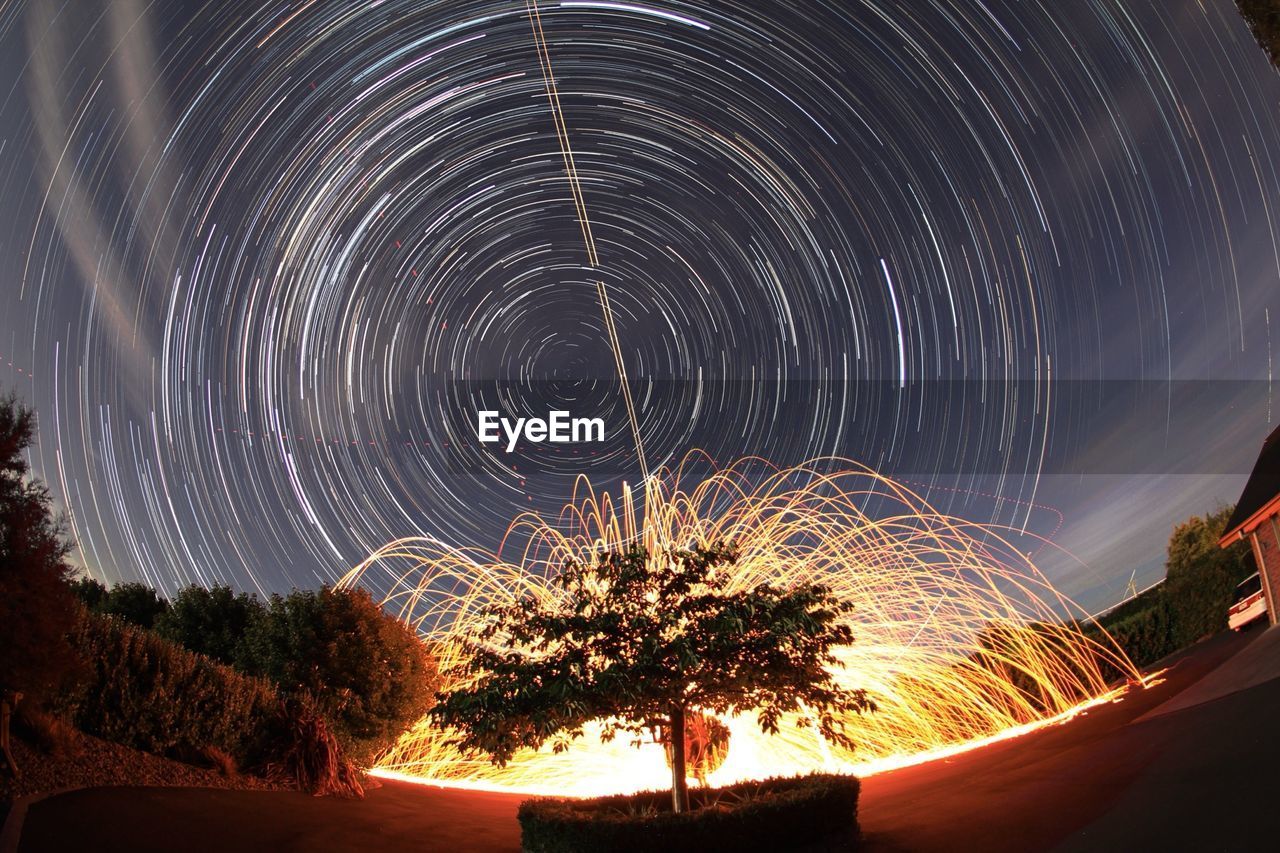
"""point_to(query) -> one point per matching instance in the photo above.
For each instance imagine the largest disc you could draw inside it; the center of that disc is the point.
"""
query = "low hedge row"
(810, 813)
(1147, 636)
(145, 692)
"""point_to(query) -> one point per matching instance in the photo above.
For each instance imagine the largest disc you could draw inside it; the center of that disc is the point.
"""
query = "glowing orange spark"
(960, 640)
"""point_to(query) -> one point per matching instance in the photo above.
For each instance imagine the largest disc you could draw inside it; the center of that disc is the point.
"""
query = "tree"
(1201, 578)
(90, 592)
(135, 603)
(368, 672)
(37, 607)
(1263, 18)
(212, 622)
(638, 642)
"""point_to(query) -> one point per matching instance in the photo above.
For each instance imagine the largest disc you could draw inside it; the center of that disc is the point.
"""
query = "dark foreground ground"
(1124, 777)
(1195, 774)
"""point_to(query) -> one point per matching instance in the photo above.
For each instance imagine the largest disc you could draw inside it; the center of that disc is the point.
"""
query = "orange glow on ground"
(924, 585)
(861, 770)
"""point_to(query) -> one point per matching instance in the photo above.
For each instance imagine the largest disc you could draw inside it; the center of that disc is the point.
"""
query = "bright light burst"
(927, 589)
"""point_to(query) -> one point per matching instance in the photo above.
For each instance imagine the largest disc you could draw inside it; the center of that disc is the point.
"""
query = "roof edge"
(1238, 532)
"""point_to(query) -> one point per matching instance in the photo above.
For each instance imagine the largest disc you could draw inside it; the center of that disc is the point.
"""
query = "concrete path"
(1044, 789)
(1256, 664)
(395, 817)
(1206, 780)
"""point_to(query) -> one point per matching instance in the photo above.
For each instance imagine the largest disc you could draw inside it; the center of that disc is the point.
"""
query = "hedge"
(1136, 606)
(145, 692)
(1147, 636)
(809, 813)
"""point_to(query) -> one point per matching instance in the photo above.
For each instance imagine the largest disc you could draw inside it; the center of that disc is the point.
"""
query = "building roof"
(1263, 486)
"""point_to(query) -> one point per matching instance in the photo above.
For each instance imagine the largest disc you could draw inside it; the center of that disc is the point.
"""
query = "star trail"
(264, 261)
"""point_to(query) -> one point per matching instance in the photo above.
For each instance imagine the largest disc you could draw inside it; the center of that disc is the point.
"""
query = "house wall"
(1266, 550)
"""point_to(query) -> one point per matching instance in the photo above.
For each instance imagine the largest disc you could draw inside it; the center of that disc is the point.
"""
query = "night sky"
(263, 261)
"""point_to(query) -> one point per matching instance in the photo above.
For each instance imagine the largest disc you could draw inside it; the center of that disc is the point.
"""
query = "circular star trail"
(266, 260)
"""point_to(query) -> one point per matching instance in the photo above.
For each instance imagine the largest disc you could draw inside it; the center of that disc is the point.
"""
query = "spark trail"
(959, 639)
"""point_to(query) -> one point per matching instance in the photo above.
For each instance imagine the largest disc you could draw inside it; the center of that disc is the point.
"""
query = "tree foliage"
(90, 592)
(135, 603)
(1263, 18)
(636, 641)
(212, 622)
(1201, 577)
(367, 671)
(37, 607)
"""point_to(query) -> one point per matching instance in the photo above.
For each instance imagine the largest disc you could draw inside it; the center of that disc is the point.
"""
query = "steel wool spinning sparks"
(959, 638)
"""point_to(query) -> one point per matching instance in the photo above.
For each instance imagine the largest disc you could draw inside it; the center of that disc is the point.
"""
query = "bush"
(53, 735)
(818, 812)
(1147, 635)
(212, 622)
(147, 693)
(219, 760)
(313, 760)
(367, 671)
(1191, 603)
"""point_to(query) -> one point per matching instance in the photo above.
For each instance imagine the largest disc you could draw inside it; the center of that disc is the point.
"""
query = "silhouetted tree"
(212, 622)
(1263, 18)
(135, 603)
(90, 592)
(368, 672)
(639, 642)
(37, 607)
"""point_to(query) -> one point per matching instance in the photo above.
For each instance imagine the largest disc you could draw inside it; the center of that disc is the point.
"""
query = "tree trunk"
(8, 702)
(679, 775)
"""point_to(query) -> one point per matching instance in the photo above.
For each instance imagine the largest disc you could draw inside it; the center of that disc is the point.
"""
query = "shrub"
(219, 760)
(135, 603)
(806, 813)
(37, 608)
(1146, 636)
(145, 692)
(212, 622)
(312, 758)
(1192, 602)
(51, 734)
(367, 671)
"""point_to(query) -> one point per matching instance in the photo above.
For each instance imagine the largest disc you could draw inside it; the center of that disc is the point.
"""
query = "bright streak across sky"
(639, 10)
